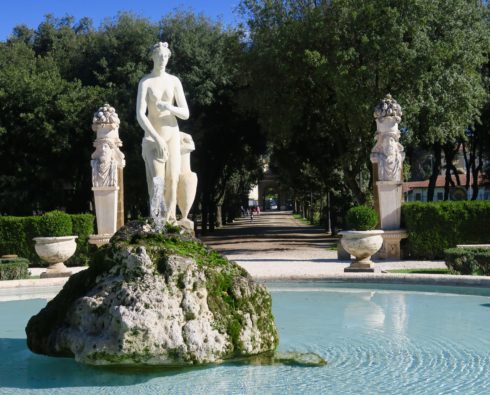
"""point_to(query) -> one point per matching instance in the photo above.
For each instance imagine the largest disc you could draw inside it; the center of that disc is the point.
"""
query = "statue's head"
(160, 53)
(389, 146)
(104, 150)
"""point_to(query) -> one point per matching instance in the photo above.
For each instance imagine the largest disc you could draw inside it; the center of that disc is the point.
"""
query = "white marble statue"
(104, 164)
(107, 164)
(388, 153)
(106, 124)
(160, 102)
(186, 189)
(391, 161)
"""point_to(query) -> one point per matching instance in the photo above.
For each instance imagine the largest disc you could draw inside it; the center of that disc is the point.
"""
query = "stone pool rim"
(365, 278)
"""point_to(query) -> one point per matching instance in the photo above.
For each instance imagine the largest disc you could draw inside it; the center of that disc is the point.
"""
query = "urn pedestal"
(55, 251)
(362, 245)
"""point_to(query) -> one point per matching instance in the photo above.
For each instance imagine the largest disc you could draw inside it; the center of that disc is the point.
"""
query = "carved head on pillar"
(104, 163)
(388, 152)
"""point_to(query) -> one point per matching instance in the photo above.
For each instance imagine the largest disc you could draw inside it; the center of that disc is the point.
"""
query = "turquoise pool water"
(377, 341)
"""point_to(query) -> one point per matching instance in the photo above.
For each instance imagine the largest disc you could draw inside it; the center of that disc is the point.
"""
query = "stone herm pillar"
(107, 164)
(387, 157)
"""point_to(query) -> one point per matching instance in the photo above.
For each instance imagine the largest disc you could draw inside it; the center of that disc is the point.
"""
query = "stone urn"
(55, 251)
(362, 244)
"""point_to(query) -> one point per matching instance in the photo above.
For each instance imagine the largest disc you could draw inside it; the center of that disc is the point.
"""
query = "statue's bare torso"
(161, 89)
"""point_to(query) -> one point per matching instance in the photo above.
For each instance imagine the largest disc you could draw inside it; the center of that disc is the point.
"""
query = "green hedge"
(14, 269)
(16, 234)
(83, 226)
(468, 260)
(436, 226)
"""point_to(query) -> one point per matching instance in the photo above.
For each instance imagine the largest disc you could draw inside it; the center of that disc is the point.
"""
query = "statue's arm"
(181, 110)
(144, 122)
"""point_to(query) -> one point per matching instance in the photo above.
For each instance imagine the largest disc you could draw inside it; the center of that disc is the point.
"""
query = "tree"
(62, 72)
(318, 68)
(42, 141)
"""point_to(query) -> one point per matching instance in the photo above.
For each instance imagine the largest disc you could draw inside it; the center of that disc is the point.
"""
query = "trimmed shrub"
(361, 218)
(468, 260)
(83, 227)
(16, 234)
(436, 226)
(14, 269)
(55, 224)
(483, 261)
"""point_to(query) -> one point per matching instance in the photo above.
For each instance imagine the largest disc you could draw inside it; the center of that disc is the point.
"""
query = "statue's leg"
(153, 166)
(146, 154)
(172, 172)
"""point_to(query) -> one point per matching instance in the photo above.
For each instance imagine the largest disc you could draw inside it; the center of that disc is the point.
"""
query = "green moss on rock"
(241, 308)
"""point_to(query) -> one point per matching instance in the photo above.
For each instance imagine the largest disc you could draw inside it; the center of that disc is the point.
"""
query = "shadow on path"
(271, 233)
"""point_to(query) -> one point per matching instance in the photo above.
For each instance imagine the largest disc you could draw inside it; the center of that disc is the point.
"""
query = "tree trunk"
(468, 166)
(449, 153)
(328, 221)
(476, 171)
(205, 214)
(212, 216)
(219, 216)
(350, 180)
(436, 169)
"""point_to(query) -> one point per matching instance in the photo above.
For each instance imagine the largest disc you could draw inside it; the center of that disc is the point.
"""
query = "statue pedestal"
(99, 240)
(356, 269)
(106, 209)
(390, 202)
(391, 244)
(187, 224)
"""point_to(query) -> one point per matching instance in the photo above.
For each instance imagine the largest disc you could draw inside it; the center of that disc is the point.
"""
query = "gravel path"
(276, 245)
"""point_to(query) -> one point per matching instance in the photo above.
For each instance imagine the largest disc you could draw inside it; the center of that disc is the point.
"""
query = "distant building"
(269, 194)
(417, 190)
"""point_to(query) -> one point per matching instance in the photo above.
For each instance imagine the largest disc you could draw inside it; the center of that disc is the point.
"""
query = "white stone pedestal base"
(106, 209)
(186, 223)
(354, 269)
(56, 270)
(99, 240)
(390, 202)
(391, 244)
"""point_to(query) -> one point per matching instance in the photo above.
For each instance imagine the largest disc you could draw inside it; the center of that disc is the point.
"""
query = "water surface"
(377, 341)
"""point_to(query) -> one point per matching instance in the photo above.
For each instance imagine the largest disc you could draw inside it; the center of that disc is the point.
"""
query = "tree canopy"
(317, 69)
(297, 84)
(53, 78)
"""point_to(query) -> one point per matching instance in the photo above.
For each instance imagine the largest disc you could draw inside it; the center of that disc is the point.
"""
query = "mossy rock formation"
(156, 298)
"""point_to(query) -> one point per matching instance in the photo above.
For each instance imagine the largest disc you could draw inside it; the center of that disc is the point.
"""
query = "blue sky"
(31, 12)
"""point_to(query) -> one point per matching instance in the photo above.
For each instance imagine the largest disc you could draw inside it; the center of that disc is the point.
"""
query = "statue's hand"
(163, 105)
(162, 149)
